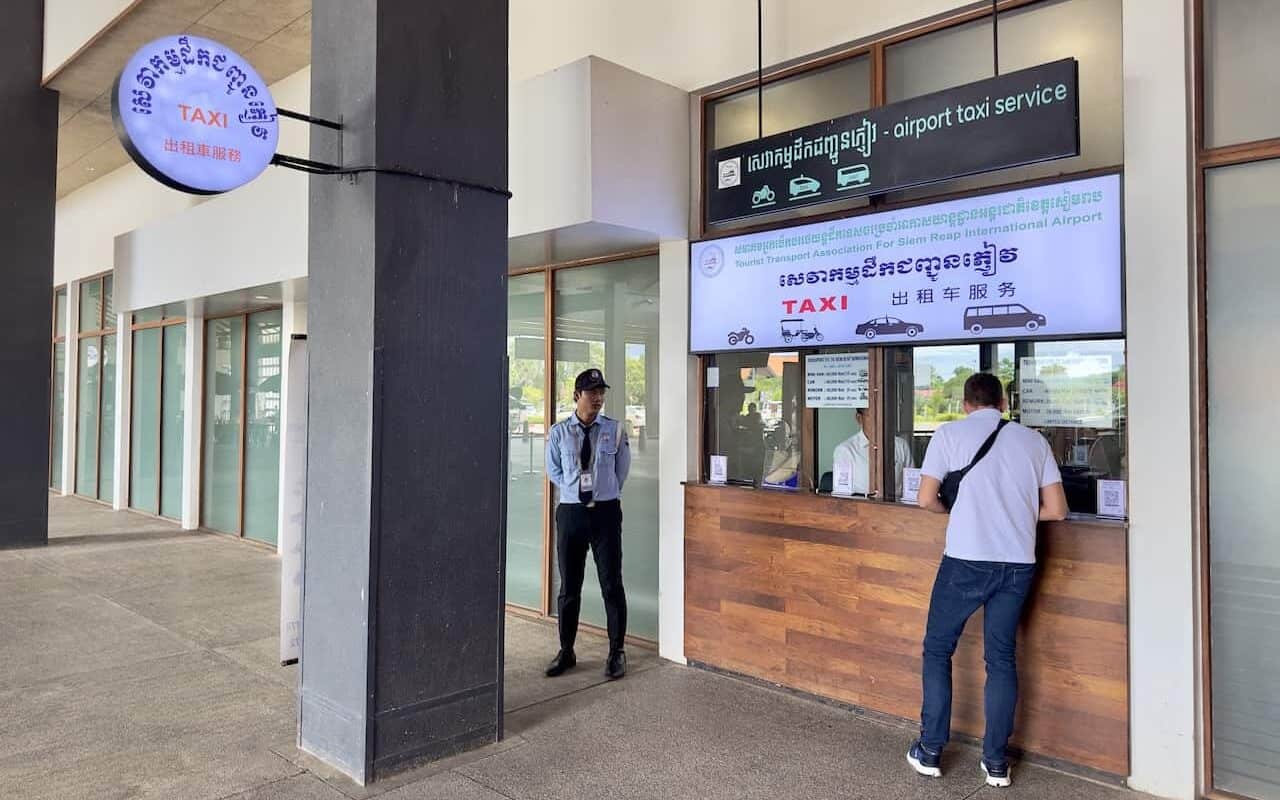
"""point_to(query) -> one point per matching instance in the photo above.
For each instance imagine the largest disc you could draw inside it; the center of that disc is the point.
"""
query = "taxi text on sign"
(195, 115)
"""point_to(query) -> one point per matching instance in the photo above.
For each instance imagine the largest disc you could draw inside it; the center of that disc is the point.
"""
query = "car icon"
(1014, 315)
(888, 326)
(852, 177)
(804, 186)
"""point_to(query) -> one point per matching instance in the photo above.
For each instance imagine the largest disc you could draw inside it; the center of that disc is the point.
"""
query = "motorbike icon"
(743, 336)
(763, 196)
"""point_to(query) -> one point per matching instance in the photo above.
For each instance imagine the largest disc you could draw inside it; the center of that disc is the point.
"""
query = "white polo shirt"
(996, 511)
(856, 452)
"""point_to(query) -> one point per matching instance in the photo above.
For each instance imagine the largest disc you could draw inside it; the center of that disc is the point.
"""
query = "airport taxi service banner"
(1013, 119)
(1034, 263)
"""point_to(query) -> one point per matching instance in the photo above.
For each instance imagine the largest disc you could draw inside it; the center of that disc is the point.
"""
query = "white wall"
(71, 24)
(698, 43)
(1162, 590)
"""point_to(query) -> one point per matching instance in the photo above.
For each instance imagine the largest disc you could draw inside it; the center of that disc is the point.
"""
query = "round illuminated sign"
(195, 115)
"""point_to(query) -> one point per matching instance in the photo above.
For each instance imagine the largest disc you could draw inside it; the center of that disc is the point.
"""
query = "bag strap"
(986, 446)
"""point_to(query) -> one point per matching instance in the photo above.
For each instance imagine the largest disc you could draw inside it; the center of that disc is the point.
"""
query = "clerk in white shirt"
(856, 452)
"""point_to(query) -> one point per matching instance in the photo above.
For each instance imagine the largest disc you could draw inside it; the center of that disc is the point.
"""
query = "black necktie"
(586, 461)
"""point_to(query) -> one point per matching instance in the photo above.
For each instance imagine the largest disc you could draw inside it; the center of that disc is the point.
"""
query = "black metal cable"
(318, 168)
(995, 35)
(760, 69)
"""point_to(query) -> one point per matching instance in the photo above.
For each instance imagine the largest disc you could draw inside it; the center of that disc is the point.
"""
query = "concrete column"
(1158, 258)
(678, 445)
(124, 409)
(403, 583)
(193, 416)
(27, 174)
(71, 391)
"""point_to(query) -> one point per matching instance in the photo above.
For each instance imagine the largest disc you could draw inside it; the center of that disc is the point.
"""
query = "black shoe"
(997, 776)
(616, 667)
(564, 661)
(925, 762)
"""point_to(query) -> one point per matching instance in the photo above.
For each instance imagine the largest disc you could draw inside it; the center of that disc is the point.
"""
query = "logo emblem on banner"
(195, 115)
(711, 261)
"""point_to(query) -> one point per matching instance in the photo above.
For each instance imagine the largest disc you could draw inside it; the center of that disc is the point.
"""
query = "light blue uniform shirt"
(610, 457)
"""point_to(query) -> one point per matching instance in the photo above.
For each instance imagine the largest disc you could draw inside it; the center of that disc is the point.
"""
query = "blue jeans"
(961, 588)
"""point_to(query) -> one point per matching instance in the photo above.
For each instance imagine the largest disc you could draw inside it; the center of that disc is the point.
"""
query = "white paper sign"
(1066, 391)
(719, 469)
(713, 377)
(294, 503)
(838, 380)
(1112, 499)
(1037, 262)
(911, 485)
(842, 478)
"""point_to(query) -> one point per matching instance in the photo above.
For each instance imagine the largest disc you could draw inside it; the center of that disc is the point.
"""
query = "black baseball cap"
(589, 379)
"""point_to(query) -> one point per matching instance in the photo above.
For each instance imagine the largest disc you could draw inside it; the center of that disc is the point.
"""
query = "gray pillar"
(403, 586)
(27, 175)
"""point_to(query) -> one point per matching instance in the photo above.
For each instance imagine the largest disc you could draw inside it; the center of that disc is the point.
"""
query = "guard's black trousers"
(599, 528)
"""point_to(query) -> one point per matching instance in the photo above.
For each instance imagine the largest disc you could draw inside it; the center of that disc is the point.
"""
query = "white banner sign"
(294, 503)
(1066, 391)
(837, 380)
(1040, 262)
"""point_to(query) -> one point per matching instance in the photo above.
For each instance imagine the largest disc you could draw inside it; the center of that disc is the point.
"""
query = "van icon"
(852, 177)
(1014, 315)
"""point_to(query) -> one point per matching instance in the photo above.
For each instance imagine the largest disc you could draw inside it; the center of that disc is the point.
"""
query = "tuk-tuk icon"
(794, 329)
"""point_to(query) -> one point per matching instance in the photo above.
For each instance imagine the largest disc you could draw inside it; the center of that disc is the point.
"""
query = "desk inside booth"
(829, 595)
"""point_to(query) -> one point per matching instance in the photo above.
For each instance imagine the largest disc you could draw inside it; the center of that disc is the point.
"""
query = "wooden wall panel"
(830, 595)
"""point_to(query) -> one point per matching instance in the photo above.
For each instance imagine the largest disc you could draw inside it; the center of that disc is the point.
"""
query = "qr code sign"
(1111, 498)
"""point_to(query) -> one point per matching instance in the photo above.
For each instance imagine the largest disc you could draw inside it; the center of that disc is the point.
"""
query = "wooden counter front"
(829, 596)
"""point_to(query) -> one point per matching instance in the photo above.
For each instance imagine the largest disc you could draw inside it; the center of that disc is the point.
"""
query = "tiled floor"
(139, 661)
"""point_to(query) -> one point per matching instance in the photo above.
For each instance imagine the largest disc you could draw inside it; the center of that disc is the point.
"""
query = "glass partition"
(223, 412)
(144, 430)
(87, 398)
(1243, 284)
(172, 417)
(1073, 393)
(107, 428)
(58, 409)
(527, 435)
(606, 316)
(754, 417)
(262, 427)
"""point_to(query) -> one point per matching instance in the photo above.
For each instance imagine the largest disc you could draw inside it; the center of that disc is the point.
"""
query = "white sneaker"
(999, 778)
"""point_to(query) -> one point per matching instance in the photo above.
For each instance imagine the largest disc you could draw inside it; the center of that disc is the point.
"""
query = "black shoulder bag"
(950, 488)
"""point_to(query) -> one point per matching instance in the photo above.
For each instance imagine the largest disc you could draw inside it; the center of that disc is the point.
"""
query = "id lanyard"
(587, 474)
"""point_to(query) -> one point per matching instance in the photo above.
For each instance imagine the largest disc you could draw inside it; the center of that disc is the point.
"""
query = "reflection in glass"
(1073, 393)
(755, 417)
(107, 439)
(607, 317)
(108, 302)
(1244, 484)
(90, 306)
(144, 430)
(223, 382)
(262, 428)
(87, 413)
(60, 313)
(58, 408)
(172, 414)
(526, 431)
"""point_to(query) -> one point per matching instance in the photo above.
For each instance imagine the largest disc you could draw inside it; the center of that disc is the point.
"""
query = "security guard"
(588, 459)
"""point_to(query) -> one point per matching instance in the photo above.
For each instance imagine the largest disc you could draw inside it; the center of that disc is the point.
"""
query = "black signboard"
(1007, 121)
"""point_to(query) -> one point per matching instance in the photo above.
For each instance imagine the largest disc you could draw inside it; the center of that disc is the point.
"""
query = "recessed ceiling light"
(261, 297)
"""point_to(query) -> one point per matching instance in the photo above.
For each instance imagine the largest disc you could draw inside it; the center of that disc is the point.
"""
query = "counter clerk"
(588, 458)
